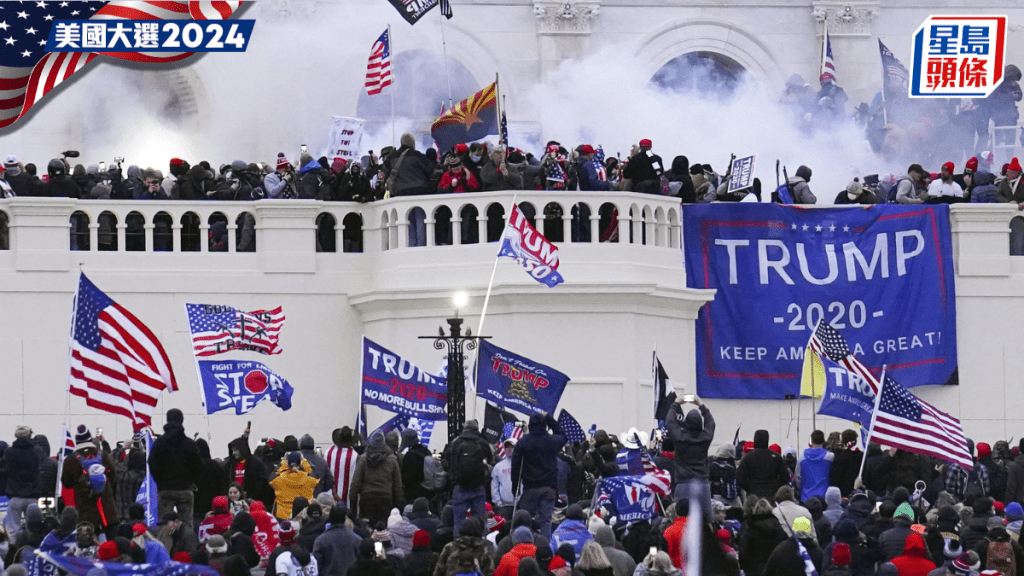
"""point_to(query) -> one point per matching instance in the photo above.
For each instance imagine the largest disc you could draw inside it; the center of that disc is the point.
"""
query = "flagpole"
(199, 378)
(483, 311)
(871, 425)
(885, 118)
(498, 107)
(824, 47)
(444, 55)
(67, 403)
(394, 55)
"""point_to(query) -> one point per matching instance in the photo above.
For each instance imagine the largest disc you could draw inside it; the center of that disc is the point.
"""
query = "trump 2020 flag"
(521, 242)
(847, 394)
(397, 385)
(82, 566)
(241, 385)
(147, 492)
(517, 383)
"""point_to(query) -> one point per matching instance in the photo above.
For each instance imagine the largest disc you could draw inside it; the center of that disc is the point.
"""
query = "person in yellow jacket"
(292, 480)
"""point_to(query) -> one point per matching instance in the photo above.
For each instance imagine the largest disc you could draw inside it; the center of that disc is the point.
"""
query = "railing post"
(39, 231)
(286, 235)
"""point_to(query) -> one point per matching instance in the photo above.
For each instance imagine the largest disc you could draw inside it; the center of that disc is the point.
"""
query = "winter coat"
(377, 474)
(534, 459)
(593, 176)
(464, 181)
(834, 503)
(812, 472)
(787, 511)
(336, 550)
(864, 556)
(448, 562)
(211, 481)
(692, 433)
(785, 559)
(239, 538)
(256, 474)
(914, 562)
(88, 503)
(845, 467)
(289, 485)
(311, 181)
(216, 523)
(174, 460)
(800, 191)
(984, 189)
(492, 179)
(510, 561)
(680, 172)
(572, 531)
(621, 562)
(412, 472)
(320, 470)
(47, 465)
(643, 166)
(893, 541)
(758, 537)
(23, 470)
(413, 173)
(420, 562)
(761, 471)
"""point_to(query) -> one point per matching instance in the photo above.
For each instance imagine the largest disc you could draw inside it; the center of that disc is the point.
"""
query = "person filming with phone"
(692, 433)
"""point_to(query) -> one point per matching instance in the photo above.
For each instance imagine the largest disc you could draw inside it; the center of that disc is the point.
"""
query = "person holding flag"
(91, 474)
(175, 465)
(535, 466)
(691, 436)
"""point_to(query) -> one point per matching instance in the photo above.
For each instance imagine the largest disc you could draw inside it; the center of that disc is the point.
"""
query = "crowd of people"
(525, 505)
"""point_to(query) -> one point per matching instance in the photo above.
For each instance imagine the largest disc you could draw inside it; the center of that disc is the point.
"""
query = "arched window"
(443, 226)
(581, 214)
(417, 227)
(5, 234)
(163, 236)
(191, 240)
(554, 231)
(495, 222)
(218, 232)
(245, 233)
(608, 224)
(470, 226)
(352, 232)
(1017, 236)
(385, 231)
(135, 232)
(106, 238)
(325, 233)
(80, 231)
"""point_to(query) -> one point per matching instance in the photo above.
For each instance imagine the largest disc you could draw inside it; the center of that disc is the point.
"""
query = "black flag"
(494, 420)
(664, 392)
(413, 10)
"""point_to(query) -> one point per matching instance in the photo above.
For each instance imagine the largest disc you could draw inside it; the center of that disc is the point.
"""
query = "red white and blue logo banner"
(958, 56)
(530, 249)
(882, 274)
(241, 385)
(397, 385)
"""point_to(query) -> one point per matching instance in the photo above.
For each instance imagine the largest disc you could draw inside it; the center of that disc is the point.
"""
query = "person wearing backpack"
(469, 458)
(909, 190)
(967, 486)
(998, 551)
(535, 469)
(91, 474)
(414, 466)
(377, 483)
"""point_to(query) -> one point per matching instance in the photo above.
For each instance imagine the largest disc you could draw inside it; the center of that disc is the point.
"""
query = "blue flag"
(517, 383)
(847, 394)
(627, 497)
(241, 384)
(397, 385)
(147, 492)
(521, 242)
(81, 566)
(423, 428)
(571, 427)
(884, 271)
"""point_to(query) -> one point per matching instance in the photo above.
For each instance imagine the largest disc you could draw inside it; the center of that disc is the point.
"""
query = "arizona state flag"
(470, 119)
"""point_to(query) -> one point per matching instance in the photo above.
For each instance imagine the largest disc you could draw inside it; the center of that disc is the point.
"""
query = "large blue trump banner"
(515, 382)
(397, 385)
(882, 274)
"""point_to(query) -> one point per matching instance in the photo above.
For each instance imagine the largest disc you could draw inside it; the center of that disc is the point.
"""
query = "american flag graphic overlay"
(227, 329)
(378, 67)
(828, 66)
(826, 341)
(117, 363)
(28, 72)
(905, 421)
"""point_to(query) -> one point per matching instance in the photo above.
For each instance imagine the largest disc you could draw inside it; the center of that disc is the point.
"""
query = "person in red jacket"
(456, 178)
(674, 533)
(217, 521)
(914, 561)
(523, 547)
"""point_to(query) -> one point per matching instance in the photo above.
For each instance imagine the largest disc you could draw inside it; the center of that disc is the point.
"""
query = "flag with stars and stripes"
(828, 66)
(446, 9)
(378, 67)
(891, 66)
(826, 341)
(555, 173)
(117, 363)
(28, 72)
(216, 329)
(627, 497)
(81, 566)
(424, 428)
(571, 427)
(904, 421)
(510, 430)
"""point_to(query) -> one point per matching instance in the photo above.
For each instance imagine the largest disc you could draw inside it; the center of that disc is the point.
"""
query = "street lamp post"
(456, 343)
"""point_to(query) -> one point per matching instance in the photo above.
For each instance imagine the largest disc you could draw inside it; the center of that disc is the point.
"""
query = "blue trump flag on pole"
(397, 385)
(147, 492)
(521, 242)
(847, 394)
(241, 385)
(517, 383)
(883, 273)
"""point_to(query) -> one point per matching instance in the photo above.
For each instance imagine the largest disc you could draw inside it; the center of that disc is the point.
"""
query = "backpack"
(97, 473)
(434, 476)
(973, 490)
(389, 186)
(890, 194)
(469, 464)
(782, 195)
(723, 479)
(1000, 557)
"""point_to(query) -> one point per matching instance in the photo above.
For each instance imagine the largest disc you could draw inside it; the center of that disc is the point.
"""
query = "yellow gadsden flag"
(812, 383)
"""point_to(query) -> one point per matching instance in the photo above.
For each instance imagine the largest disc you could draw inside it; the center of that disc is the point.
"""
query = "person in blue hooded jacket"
(813, 470)
(573, 530)
(535, 463)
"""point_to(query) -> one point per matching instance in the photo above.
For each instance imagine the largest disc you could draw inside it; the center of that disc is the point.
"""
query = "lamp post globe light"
(456, 343)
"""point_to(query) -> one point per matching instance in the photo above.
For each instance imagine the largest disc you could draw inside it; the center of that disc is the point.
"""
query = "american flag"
(571, 427)
(378, 68)
(69, 442)
(826, 341)
(555, 173)
(117, 364)
(509, 430)
(446, 9)
(905, 421)
(424, 428)
(217, 329)
(891, 66)
(828, 66)
(75, 565)
(28, 72)
(658, 480)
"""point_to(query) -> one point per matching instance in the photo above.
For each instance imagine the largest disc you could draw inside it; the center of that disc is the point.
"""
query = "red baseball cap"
(948, 167)
(586, 149)
(646, 143)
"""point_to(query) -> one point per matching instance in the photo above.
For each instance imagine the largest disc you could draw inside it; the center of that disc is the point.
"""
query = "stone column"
(286, 235)
(981, 238)
(563, 30)
(40, 231)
